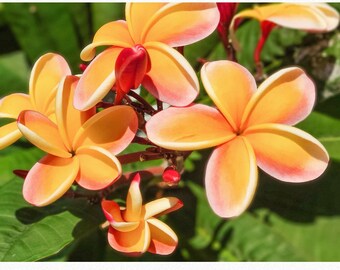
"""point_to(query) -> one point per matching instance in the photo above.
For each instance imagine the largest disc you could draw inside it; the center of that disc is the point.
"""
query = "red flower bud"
(266, 28)
(21, 173)
(131, 66)
(82, 67)
(227, 12)
(171, 176)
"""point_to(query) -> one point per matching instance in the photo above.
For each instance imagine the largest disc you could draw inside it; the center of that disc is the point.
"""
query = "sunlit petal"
(113, 33)
(171, 78)
(287, 153)
(9, 134)
(286, 97)
(190, 128)
(42, 132)
(231, 177)
(49, 179)
(97, 80)
(98, 168)
(12, 105)
(330, 14)
(230, 86)
(163, 239)
(112, 129)
(134, 201)
(45, 77)
(161, 207)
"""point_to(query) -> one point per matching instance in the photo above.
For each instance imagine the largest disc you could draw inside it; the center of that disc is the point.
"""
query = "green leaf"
(29, 233)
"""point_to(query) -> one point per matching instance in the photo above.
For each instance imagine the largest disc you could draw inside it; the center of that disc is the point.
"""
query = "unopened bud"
(82, 67)
(171, 176)
(21, 173)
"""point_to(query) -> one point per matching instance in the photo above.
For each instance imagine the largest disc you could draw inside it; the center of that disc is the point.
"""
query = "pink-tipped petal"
(98, 168)
(97, 79)
(12, 105)
(43, 133)
(287, 153)
(286, 97)
(191, 128)
(112, 129)
(231, 178)
(136, 241)
(49, 179)
(163, 239)
(45, 77)
(230, 86)
(133, 201)
(161, 207)
(171, 78)
(111, 211)
(113, 33)
(9, 134)
(181, 24)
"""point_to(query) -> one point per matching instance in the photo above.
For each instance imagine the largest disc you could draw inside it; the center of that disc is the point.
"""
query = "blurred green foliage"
(286, 222)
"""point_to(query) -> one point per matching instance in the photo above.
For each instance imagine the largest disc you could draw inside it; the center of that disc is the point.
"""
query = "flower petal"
(9, 134)
(98, 168)
(186, 128)
(42, 132)
(171, 78)
(330, 14)
(286, 97)
(12, 105)
(161, 207)
(136, 241)
(181, 24)
(231, 178)
(133, 201)
(97, 79)
(111, 211)
(45, 77)
(287, 153)
(112, 129)
(49, 179)
(230, 86)
(163, 239)
(69, 119)
(113, 33)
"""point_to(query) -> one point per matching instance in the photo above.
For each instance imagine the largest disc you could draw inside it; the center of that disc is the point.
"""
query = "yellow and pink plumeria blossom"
(143, 42)
(46, 74)
(250, 127)
(135, 229)
(81, 146)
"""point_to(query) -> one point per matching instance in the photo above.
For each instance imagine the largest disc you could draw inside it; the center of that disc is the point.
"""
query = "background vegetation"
(286, 222)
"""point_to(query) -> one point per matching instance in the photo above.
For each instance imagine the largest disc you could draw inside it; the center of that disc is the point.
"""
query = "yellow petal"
(133, 201)
(97, 79)
(113, 33)
(42, 132)
(190, 128)
(287, 153)
(230, 86)
(163, 239)
(112, 129)
(136, 241)
(231, 178)
(330, 14)
(12, 105)
(171, 78)
(46, 74)
(69, 119)
(98, 168)
(9, 134)
(137, 17)
(161, 207)
(180, 24)
(286, 97)
(49, 179)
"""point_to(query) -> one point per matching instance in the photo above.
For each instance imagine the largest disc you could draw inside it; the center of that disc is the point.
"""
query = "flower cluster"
(70, 118)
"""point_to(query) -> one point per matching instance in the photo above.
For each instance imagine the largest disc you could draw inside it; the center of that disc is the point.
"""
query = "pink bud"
(171, 176)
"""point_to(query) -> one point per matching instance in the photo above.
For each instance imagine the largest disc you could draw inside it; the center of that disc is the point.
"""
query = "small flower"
(145, 39)
(81, 146)
(135, 229)
(45, 77)
(251, 127)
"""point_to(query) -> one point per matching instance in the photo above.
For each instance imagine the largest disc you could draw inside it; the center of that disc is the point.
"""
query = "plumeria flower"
(310, 17)
(81, 146)
(141, 53)
(250, 127)
(45, 77)
(135, 229)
